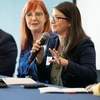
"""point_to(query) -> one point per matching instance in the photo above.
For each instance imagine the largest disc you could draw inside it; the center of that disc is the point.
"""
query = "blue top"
(25, 69)
(80, 72)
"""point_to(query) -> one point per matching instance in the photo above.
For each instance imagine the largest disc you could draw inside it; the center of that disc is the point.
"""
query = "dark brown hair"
(76, 32)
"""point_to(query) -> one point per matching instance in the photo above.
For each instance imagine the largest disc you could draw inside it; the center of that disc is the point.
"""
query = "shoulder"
(4, 35)
(53, 35)
(6, 38)
(86, 42)
(53, 38)
(85, 45)
(2, 32)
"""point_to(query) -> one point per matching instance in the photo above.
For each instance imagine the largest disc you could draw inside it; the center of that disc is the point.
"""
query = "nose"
(33, 17)
(51, 21)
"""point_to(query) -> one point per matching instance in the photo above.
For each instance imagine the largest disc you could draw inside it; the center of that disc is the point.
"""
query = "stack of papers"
(12, 81)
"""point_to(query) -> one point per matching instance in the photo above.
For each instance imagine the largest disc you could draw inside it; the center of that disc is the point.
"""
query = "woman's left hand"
(55, 55)
(61, 61)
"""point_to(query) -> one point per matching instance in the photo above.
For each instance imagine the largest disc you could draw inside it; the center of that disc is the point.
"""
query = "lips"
(53, 26)
(34, 24)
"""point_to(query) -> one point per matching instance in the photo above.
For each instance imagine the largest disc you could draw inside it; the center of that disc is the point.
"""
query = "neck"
(36, 36)
(61, 40)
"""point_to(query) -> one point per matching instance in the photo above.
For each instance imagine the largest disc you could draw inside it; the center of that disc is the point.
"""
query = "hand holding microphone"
(44, 38)
(37, 47)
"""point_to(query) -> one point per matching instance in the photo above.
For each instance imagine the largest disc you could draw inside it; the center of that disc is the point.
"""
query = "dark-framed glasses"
(56, 18)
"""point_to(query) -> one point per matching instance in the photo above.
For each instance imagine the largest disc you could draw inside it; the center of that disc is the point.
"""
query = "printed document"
(12, 81)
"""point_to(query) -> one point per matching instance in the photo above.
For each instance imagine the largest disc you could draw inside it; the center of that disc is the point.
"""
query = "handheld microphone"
(44, 38)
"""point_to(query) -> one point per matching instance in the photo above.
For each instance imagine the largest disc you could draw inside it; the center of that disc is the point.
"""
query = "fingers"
(55, 56)
(53, 52)
(36, 46)
(88, 87)
(38, 42)
(52, 61)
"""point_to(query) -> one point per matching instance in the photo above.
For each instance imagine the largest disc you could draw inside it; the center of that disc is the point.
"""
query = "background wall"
(10, 17)
(51, 3)
(91, 22)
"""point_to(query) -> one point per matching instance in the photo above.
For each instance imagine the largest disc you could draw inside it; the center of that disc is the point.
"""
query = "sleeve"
(96, 89)
(8, 55)
(25, 69)
(85, 65)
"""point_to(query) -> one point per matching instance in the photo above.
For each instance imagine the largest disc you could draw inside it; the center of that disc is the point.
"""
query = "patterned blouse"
(28, 70)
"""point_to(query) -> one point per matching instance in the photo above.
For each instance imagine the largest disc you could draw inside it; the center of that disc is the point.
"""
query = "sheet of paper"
(62, 90)
(74, 90)
(49, 89)
(12, 81)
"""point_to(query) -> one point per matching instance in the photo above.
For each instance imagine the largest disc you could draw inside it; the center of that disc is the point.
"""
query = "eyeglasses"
(56, 18)
(37, 15)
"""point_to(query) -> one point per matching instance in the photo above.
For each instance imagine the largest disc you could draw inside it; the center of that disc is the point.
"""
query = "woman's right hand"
(37, 47)
(90, 87)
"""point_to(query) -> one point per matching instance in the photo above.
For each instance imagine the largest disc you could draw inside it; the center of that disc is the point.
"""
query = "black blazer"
(8, 54)
(80, 72)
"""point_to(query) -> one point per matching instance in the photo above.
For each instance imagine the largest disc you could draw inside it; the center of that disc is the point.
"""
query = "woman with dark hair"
(73, 62)
(35, 21)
